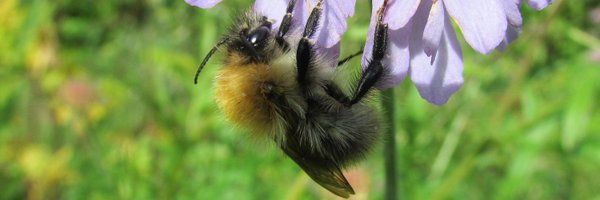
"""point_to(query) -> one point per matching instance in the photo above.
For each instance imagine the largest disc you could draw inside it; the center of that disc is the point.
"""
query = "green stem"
(390, 145)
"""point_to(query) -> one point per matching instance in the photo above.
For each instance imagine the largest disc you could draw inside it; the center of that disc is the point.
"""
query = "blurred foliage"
(97, 102)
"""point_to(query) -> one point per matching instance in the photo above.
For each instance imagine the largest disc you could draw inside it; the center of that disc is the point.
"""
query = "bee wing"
(325, 172)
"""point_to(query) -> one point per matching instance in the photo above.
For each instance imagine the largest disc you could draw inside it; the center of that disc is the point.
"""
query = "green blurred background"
(97, 102)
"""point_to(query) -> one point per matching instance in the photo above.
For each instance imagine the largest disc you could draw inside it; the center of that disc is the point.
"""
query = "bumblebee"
(274, 84)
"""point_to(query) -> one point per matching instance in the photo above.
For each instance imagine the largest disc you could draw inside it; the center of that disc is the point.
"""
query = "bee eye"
(259, 35)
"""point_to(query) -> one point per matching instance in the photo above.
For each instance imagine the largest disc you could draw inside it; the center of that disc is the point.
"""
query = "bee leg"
(335, 92)
(305, 52)
(375, 69)
(285, 25)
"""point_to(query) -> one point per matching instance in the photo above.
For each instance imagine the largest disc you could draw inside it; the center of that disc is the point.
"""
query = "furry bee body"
(266, 99)
(274, 84)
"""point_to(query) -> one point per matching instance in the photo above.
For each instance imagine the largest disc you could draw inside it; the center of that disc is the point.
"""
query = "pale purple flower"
(539, 4)
(335, 13)
(423, 43)
(203, 3)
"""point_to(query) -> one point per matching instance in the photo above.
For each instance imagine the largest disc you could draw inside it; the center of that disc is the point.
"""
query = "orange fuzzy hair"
(241, 93)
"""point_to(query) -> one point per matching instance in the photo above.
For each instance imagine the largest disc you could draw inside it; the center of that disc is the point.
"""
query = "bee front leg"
(305, 52)
(286, 23)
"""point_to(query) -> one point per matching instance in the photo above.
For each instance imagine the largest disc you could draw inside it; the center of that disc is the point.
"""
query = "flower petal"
(483, 23)
(399, 12)
(301, 12)
(539, 4)
(330, 55)
(511, 8)
(511, 34)
(275, 10)
(335, 13)
(436, 81)
(366, 56)
(272, 9)
(397, 57)
(433, 29)
(203, 3)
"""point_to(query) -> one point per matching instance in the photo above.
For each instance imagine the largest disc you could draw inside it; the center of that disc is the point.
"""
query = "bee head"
(252, 38)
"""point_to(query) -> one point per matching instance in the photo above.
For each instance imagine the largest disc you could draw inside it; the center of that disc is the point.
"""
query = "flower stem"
(387, 101)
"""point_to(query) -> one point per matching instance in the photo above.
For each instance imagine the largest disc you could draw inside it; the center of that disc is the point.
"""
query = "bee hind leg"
(375, 68)
(335, 92)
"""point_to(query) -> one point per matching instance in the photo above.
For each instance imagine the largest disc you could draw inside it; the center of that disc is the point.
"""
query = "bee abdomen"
(343, 136)
(328, 140)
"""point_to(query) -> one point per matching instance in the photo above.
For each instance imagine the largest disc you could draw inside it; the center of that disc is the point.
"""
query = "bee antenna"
(210, 53)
